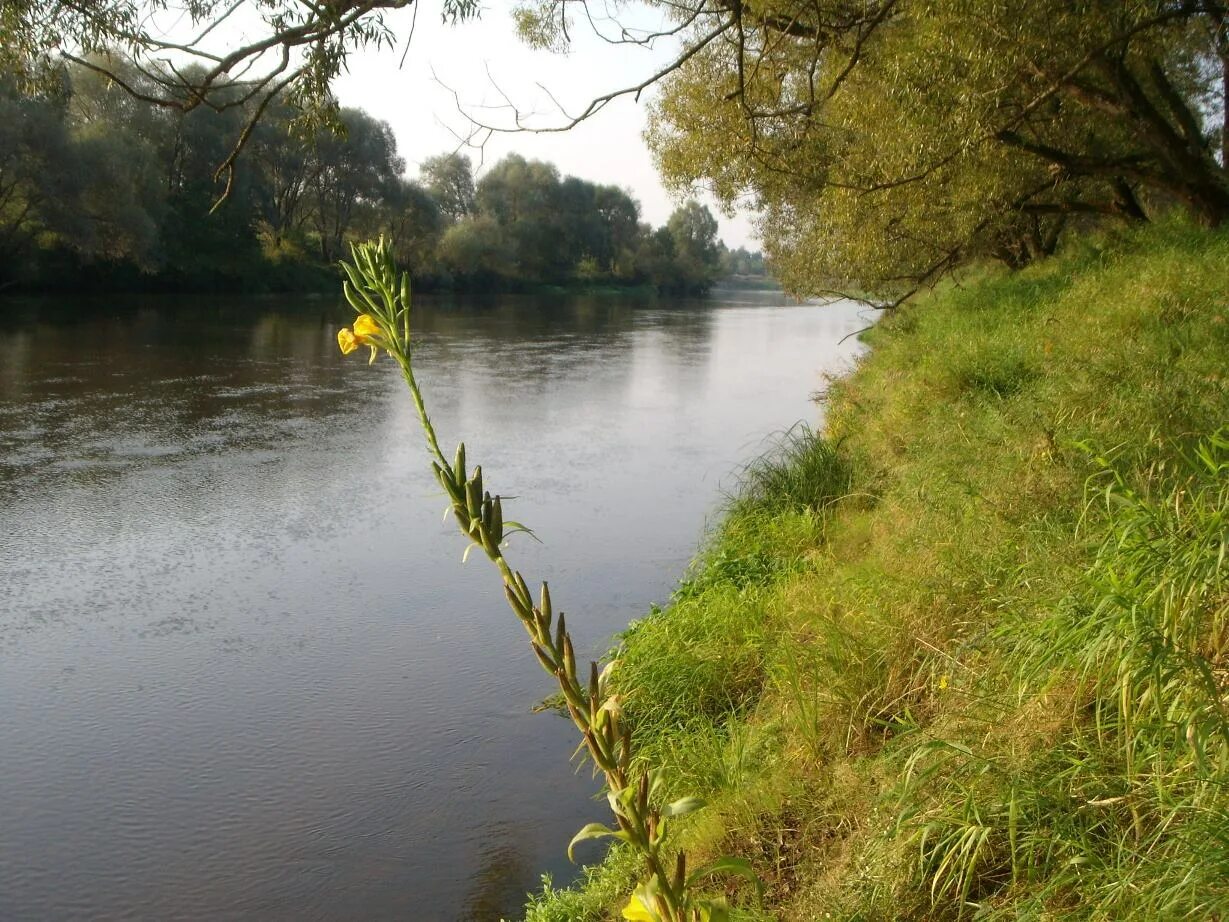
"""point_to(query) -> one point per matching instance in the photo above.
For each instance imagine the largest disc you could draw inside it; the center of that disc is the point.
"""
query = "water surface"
(243, 673)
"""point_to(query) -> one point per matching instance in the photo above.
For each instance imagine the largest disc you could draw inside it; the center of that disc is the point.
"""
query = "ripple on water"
(249, 391)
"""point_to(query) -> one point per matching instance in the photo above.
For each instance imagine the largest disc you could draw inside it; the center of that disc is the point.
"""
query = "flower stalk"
(381, 298)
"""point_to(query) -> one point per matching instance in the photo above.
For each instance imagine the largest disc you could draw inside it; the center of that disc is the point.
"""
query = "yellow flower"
(637, 911)
(943, 681)
(346, 340)
(364, 326)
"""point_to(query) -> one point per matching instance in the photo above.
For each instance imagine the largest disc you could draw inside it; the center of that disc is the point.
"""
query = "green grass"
(803, 472)
(965, 653)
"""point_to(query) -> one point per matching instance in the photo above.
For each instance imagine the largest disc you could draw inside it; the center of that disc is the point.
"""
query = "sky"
(480, 61)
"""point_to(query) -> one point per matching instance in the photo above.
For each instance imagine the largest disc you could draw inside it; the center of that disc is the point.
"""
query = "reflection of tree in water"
(502, 880)
(688, 326)
(527, 315)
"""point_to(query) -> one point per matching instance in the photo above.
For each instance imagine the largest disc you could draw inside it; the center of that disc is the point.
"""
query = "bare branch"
(598, 103)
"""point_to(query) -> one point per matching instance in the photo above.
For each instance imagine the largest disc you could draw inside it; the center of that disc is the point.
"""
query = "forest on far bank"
(101, 191)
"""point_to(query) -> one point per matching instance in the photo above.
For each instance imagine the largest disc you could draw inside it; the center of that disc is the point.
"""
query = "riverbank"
(964, 652)
(62, 273)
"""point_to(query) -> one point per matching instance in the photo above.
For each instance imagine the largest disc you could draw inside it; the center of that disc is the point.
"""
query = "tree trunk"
(1126, 201)
(1222, 50)
(1189, 172)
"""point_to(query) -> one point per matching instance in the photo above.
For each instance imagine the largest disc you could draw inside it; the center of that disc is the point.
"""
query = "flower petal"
(365, 325)
(637, 911)
(347, 342)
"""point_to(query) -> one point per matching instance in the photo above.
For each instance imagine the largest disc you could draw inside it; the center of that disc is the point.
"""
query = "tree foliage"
(887, 141)
(884, 141)
(351, 171)
(450, 180)
(530, 224)
(95, 183)
(292, 51)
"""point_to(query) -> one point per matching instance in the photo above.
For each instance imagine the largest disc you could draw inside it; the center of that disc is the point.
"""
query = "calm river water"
(243, 672)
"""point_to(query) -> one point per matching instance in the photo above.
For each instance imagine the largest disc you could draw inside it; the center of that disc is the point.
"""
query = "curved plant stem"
(376, 291)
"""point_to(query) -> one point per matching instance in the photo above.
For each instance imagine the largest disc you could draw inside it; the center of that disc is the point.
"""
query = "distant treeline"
(100, 190)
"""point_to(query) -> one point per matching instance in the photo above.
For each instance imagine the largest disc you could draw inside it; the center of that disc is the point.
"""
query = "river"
(243, 671)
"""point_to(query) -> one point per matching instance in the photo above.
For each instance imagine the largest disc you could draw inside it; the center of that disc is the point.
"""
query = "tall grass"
(802, 472)
(1114, 821)
(689, 671)
(962, 654)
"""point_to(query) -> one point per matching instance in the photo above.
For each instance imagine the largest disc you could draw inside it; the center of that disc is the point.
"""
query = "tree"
(295, 51)
(86, 186)
(92, 174)
(694, 230)
(412, 220)
(95, 99)
(450, 180)
(477, 252)
(654, 261)
(619, 215)
(38, 173)
(524, 198)
(694, 259)
(121, 202)
(285, 163)
(888, 141)
(740, 261)
(348, 172)
(200, 247)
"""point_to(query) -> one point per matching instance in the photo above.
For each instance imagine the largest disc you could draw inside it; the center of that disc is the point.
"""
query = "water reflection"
(496, 883)
(245, 674)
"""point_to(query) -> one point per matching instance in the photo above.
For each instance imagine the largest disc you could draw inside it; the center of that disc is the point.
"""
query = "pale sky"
(466, 58)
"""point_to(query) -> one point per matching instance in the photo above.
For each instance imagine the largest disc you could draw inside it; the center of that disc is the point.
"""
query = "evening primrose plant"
(380, 296)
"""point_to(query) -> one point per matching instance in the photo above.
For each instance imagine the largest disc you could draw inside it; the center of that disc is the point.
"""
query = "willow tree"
(888, 141)
(450, 180)
(187, 58)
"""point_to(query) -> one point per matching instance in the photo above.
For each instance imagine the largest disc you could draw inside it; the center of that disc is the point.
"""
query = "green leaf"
(592, 831)
(727, 864)
(682, 806)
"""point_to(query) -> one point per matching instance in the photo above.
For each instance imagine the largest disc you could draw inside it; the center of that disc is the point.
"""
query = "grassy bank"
(965, 653)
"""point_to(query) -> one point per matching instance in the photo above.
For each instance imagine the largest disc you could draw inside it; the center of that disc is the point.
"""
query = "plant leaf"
(727, 864)
(682, 806)
(591, 831)
(714, 911)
